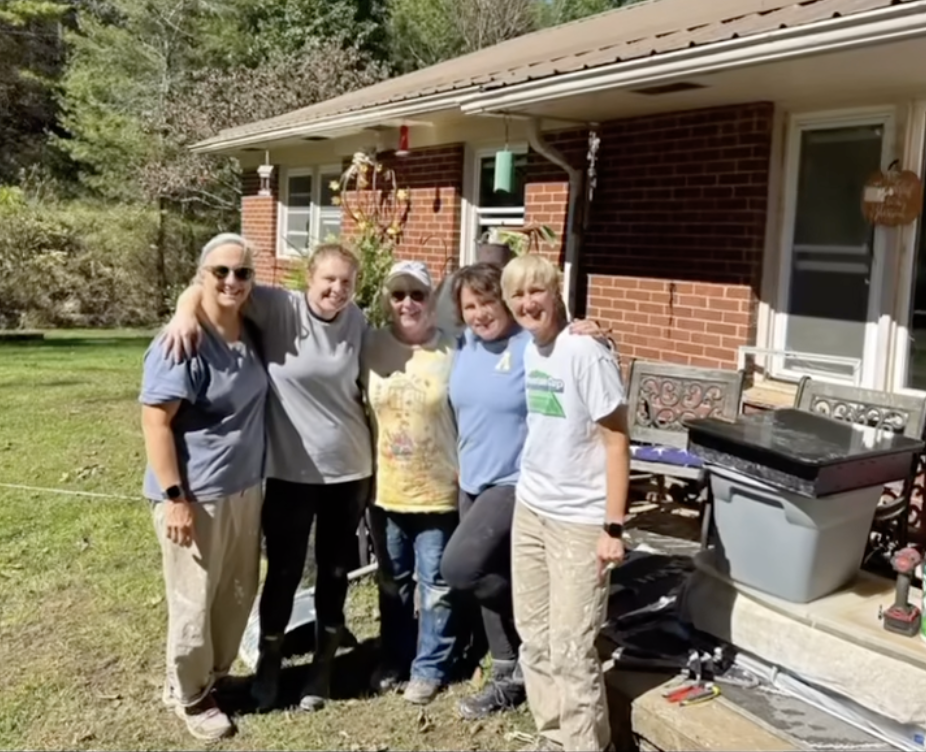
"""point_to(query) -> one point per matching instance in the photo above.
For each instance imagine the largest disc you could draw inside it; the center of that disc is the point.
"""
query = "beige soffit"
(643, 30)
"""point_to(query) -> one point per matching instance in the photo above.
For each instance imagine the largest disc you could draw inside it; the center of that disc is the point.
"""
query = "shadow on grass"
(67, 343)
(350, 679)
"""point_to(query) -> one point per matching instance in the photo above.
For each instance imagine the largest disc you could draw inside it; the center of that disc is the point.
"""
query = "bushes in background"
(89, 265)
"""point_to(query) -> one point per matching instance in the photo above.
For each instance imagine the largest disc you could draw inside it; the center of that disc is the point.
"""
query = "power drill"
(903, 617)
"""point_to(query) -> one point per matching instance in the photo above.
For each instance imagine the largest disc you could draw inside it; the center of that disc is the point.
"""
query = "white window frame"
(877, 328)
(317, 213)
(905, 251)
(472, 224)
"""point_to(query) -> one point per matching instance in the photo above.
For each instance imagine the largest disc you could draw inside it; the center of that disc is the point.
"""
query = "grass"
(82, 614)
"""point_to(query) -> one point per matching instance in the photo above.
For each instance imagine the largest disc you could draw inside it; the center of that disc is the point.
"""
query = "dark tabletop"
(803, 437)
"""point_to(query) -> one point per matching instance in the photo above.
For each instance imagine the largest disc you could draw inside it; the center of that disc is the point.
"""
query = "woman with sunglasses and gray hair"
(406, 374)
(319, 454)
(203, 423)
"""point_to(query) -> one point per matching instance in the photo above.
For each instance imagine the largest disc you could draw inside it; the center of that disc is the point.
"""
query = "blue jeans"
(410, 544)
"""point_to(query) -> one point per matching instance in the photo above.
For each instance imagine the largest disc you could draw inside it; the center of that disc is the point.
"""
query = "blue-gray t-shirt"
(487, 394)
(219, 427)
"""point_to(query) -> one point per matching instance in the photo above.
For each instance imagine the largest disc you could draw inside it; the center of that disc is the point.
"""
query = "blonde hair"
(524, 271)
(329, 250)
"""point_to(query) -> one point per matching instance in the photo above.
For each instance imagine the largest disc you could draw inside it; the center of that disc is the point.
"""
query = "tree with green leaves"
(31, 60)
(555, 12)
(425, 32)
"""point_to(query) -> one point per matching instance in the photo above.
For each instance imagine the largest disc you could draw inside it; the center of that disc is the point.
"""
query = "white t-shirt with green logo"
(571, 384)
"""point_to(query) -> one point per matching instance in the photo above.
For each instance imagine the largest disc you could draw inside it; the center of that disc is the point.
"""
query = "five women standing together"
(452, 423)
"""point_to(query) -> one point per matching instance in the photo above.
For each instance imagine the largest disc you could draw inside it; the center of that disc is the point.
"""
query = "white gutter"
(858, 30)
(359, 119)
(571, 263)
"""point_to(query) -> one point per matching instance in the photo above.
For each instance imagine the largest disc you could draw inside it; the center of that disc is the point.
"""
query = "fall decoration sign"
(892, 197)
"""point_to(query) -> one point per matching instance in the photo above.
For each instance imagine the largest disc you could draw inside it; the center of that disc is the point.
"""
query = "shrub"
(88, 265)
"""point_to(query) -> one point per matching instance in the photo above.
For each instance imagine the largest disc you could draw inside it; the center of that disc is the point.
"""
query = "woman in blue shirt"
(488, 398)
(203, 422)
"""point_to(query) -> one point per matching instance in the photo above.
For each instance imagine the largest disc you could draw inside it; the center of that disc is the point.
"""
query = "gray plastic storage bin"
(793, 547)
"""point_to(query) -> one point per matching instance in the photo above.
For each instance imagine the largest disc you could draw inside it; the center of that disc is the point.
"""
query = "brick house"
(735, 139)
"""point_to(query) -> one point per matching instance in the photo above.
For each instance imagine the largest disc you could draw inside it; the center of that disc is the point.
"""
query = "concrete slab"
(850, 614)
(643, 719)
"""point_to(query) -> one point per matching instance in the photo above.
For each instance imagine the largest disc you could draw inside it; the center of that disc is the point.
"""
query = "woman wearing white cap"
(406, 374)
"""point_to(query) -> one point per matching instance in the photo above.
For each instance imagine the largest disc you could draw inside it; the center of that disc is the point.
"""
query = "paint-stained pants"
(211, 586)
(559, 608)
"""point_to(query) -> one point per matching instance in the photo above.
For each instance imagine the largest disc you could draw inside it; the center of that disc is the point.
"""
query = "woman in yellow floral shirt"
(406, 371)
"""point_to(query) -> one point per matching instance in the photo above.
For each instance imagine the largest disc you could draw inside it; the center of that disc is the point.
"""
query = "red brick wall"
(673, 255)
(434, 179)
(259, 225)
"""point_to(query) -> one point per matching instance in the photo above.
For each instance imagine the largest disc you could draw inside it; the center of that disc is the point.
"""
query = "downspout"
(573, 231)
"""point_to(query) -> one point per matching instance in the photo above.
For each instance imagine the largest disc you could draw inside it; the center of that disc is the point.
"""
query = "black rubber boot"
(504, 691)
(266, 684)
(317, 688)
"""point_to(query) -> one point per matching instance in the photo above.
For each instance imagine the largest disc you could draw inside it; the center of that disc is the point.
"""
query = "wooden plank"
(642, 719)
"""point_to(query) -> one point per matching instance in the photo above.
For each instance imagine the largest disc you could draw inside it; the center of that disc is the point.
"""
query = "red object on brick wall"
(673, 254)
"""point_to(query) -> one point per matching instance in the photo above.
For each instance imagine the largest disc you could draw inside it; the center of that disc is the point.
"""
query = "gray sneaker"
(420, 691)
(205, 720)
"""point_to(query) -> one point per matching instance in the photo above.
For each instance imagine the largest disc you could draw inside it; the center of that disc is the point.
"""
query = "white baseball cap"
(417, 270)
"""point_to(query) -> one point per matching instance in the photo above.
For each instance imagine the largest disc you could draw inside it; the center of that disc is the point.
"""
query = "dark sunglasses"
(242, 273)
(419, 296)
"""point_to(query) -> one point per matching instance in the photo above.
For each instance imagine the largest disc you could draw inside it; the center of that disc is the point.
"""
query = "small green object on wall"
(504, 170)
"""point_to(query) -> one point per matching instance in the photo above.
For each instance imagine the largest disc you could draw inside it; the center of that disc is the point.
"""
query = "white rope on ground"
(68, 492)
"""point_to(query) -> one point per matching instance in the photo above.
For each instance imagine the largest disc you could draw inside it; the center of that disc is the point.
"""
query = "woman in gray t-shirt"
(203, 422)
(319, 453)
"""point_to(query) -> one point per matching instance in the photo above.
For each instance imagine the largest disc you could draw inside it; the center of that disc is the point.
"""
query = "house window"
(827, 325)
(308, 214)
(499, 208)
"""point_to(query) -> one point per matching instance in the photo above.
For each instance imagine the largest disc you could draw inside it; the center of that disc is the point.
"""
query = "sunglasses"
(419, 296)
(242, 273)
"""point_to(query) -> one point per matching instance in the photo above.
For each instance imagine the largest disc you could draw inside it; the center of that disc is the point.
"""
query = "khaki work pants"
(559, 608)
(210, 587)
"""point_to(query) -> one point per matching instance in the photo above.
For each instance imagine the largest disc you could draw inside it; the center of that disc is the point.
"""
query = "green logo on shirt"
(542, 391)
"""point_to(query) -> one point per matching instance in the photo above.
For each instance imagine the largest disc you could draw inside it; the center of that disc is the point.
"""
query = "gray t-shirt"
(219, 429)
(317, 430)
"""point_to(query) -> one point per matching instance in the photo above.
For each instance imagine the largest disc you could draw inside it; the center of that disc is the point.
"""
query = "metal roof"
(642, 30)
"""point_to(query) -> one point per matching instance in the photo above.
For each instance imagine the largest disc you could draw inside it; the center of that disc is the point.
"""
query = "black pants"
(478, 560)
(288, 513)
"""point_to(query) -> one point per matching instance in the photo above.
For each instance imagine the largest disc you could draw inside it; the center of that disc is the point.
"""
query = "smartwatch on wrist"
(173, 493)
(614, 529)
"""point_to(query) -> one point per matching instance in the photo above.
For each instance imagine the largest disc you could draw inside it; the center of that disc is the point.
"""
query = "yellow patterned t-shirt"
(407, 390)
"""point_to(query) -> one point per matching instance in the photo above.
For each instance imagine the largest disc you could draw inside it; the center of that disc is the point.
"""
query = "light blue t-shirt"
(219, 427)
(487, 394)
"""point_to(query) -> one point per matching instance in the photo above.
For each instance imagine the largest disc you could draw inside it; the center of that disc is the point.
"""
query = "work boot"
(266, 683)
(317, 688)
(504, 691)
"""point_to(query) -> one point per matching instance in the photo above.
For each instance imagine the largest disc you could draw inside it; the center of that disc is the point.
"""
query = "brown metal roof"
(630, 33)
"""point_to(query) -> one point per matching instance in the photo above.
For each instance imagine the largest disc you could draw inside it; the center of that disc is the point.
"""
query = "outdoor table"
(793, 495)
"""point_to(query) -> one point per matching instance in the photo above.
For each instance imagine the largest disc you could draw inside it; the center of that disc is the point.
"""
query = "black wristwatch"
(173, 493)
(614, 529)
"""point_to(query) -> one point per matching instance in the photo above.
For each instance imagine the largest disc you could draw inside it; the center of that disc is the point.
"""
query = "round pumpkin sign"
(892, 197)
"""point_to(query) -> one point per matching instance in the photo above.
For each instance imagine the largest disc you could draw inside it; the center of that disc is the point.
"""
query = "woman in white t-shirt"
(569, 513)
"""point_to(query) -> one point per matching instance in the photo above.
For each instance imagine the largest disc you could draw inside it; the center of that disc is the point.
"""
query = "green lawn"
(81, 605)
